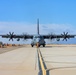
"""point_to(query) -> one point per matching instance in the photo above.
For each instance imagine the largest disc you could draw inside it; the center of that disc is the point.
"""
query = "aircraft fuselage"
(38, 39)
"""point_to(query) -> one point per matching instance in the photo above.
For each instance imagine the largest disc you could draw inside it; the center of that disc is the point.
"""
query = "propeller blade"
(66, 39)
(63, 33)
(65, 36)
(63, 40)
(66, 33)
(9, 39)
(12, 33)
(11, 36)
(12, 39)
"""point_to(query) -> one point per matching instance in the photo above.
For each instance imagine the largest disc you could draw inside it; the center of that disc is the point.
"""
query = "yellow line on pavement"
(41, 63)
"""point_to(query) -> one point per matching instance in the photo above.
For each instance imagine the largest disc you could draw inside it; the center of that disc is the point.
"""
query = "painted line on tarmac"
(42, 66)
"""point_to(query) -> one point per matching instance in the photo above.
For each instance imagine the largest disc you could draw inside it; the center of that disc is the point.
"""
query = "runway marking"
(36, 60)
(41, 62)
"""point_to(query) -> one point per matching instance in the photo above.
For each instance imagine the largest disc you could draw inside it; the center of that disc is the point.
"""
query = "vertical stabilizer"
(38, 26)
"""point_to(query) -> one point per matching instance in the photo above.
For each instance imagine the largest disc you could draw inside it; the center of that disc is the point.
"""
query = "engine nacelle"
(18, 39)
(58, 39)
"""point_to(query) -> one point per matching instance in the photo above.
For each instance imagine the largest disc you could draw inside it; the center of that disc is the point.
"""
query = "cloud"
(16, 27)
(59, 28)
(19, 28)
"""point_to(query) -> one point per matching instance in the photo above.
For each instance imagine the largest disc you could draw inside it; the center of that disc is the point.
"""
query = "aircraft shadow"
(52, 46)
(62, 68)
(49, 55)
(60, 62)
(55, 46)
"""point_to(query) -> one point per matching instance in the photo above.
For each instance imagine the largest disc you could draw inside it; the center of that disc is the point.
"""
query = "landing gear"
(43, 45)
(32, 45)
(37, 45)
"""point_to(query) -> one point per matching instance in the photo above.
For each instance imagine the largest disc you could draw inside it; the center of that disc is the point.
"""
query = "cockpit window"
(38, 37)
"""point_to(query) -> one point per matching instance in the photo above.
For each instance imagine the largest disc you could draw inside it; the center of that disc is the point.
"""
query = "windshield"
(37, 36)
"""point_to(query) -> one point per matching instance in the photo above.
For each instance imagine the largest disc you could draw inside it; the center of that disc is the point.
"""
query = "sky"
(20, 16)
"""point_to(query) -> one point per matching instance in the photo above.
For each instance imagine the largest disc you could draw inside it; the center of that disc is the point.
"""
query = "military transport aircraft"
(38, 39)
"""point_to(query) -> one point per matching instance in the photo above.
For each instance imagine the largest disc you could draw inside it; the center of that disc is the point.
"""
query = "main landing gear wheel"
(43, 45)
(32, 45)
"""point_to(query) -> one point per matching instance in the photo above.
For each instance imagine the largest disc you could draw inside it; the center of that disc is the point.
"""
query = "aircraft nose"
(38, 39)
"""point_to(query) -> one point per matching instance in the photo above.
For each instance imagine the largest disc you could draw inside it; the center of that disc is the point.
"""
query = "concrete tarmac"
(58, 59)
(21, 61)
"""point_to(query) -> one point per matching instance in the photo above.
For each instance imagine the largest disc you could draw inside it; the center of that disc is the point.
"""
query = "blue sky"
(21, 15)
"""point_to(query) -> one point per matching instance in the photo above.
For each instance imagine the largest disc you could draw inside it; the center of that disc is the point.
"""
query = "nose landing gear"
(37, 45)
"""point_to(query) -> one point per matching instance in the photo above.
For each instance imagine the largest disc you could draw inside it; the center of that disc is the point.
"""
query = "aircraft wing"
(12, 35)
(65, 36)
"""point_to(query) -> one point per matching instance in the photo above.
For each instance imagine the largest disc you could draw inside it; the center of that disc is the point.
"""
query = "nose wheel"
(37, 45)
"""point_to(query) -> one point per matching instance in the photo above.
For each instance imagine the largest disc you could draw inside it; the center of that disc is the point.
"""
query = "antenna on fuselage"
(38, 26)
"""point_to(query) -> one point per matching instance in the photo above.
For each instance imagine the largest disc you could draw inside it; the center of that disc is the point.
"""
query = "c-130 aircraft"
(38, 39)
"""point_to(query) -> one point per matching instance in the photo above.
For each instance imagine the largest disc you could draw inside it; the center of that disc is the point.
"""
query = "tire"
(43, 45)
(32, 45)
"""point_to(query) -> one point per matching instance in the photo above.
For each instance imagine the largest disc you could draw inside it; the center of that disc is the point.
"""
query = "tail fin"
(38, 26)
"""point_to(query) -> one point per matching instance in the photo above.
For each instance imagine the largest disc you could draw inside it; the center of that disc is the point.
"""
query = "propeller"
(51, 36)
(65, 36)
(24, 36)
(11, 36)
